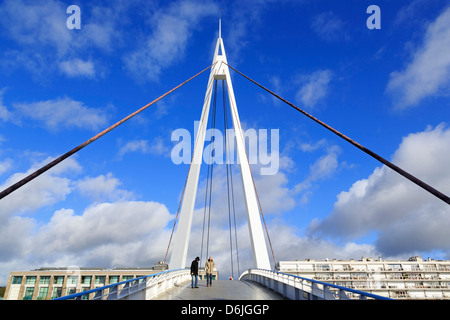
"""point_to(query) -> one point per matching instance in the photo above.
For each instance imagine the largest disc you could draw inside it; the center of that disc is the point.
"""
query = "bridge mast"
(219, 71)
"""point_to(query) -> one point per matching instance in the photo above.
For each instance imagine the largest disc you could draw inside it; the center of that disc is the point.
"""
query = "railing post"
(112, 294)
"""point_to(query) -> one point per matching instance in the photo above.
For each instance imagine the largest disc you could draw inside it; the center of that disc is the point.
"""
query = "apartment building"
(415, 278)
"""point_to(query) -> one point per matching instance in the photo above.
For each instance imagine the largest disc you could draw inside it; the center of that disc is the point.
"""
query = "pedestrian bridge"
(253, 284)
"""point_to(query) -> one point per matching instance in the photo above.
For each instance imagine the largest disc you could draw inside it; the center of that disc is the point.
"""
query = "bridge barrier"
(142, 288)
(298, 288)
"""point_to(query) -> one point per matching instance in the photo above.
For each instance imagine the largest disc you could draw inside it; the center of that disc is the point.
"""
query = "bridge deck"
(220, 290)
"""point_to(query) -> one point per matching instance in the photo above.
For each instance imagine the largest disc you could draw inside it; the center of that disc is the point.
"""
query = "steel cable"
(397, 169)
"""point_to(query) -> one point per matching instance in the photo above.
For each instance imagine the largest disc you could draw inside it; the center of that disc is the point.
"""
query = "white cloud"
(123, 234)
(45, 44)
(288, 245)
(428, 73)
(322, 168)
(314, 88)
(173, 28)
(63, 113)
(405, 217)
(275, 196)
(102, 225)
(156, 147)
(329, 27)
(45, 190)
(242, 23)
(5, 165)
(40, 23)
(77, 68)
(5, 114)
(309, 147)
(103, 187)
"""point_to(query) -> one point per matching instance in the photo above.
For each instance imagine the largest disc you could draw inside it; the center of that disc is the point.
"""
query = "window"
(113, 279)
(44, 280)
(395, 267)
(323, 267)
(85, 297)
(58, 280)
(86, 279)
(72, 280)
(430, 267)
(124, 278)
(71, 291)
(56, 292)
(16, 280)
(100, 280)
(30, 280)
(28, 293)
(42, 293)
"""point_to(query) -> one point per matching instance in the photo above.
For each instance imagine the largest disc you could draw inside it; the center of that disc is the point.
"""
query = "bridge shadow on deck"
(220, 290)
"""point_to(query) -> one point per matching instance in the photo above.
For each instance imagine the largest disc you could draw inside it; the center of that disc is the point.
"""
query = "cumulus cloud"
(329, 27)
(324, 167)
(156, 147)
(46, 45)
(77, 68)
(103, 187)
(5, 114)
(288, 245)
(428, 73)
(172, 29)
(49, 188)
(130, 224)
(5, 165)
(37, 23)
(406, 218)
(63, 113)
(314, 88)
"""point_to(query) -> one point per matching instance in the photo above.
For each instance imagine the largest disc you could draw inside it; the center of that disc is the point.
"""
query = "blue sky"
(114, 202)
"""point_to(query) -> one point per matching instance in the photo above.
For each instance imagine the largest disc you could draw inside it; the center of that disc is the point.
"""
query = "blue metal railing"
(132, 285)
(294, 281)
(277, 276)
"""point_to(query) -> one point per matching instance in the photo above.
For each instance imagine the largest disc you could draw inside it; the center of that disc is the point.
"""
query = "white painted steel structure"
(219, 71)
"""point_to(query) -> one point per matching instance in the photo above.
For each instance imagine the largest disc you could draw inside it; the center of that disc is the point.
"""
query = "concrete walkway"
(220, 290)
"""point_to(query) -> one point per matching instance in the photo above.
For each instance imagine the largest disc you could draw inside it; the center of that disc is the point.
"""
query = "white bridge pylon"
(219, 71)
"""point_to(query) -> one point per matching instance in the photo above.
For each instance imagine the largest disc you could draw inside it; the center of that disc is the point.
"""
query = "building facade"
(398, 279)
(50, 283)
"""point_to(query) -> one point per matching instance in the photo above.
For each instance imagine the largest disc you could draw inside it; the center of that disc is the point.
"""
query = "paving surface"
(220, 290)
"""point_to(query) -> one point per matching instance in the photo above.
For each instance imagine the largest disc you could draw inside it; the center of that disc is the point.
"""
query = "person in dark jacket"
(194, 273)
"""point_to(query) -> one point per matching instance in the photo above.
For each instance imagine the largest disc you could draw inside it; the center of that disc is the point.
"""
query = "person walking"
(194, 273)
(209, 268)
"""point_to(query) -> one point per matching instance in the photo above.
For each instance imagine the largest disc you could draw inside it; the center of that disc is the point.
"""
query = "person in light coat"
(209, 268)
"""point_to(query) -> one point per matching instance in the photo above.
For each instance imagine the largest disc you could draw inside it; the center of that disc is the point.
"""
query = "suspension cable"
(225, 125)
(211, 164)
(53, 163)
(229, 186)
(397, 169)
